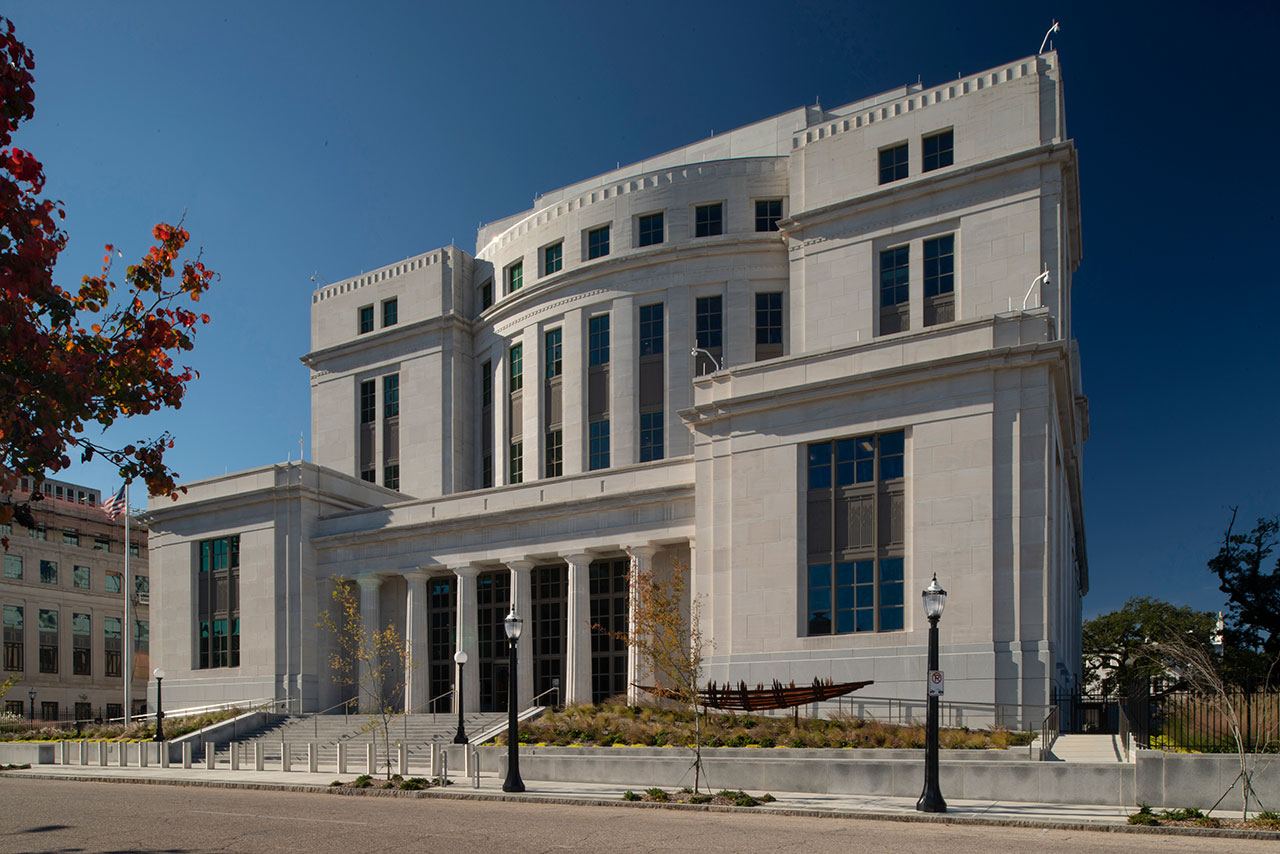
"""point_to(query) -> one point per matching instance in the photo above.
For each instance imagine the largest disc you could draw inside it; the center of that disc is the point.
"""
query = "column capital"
(643, 552)
(369, 582)
(419, 573)
(466, 570)
(579, 558)
(518, 564)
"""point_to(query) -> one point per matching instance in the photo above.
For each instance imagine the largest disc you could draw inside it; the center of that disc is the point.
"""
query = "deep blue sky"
(343, 139)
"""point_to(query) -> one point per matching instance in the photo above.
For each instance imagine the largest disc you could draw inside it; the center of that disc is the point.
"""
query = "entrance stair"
(1087, 748)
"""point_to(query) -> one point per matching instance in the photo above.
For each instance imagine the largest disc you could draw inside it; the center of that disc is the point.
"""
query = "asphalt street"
(57, 816)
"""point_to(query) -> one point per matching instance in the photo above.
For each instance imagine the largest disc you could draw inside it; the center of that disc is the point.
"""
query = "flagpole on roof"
(128, 623)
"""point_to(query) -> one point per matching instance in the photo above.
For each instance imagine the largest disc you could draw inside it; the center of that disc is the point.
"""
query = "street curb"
(800, 812)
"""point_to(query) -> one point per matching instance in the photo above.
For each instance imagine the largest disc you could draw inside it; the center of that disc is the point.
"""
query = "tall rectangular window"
(364, 319)
(391, 431)
(515, 277)
(368, 466)
(113, 647)
(768, 325)
(390, 312)
(13, 566)
(936, 151)
(708, 220)
(486, 294)
(80, 578)
(517, 367)
(553, 259)
(598, 242)
(554, 353)
(517, 462)
(893, 163)
(553, 399)
(48, 572)
(895, 282)
(709, 320)
(218, 603)
(598, 404)
(81, 643)
(515, 414)
(111, 582)
(768, 213)
(71, 538)
(940, 280)
(555, 453)
(855, 535)
(486, 425)
(652, 381)
(649, 229)
(14, 632)
(48, 640)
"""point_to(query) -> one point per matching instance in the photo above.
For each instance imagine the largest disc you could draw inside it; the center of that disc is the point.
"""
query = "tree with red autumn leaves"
(71, 357)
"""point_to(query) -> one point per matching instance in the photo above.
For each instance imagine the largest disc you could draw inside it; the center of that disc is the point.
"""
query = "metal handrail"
(553, 688)
(1049, 730)
(423, 706)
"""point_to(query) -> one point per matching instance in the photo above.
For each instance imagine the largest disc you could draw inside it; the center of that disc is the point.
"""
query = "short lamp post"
(460, 737)
(159, 736)
(935, 599)
(513, 626)
(32, 695)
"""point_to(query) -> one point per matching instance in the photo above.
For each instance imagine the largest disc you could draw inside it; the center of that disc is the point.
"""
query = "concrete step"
(1087, 748)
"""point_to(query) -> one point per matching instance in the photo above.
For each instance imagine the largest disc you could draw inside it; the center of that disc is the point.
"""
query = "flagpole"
(128, 633)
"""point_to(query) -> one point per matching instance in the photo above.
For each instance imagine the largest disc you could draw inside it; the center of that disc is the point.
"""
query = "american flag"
(115, 505)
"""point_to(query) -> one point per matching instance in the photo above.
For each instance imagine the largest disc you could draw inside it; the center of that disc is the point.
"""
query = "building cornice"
(396, 335)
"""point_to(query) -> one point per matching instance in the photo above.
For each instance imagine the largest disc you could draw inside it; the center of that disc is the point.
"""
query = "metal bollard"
(164, 754)
(475, 767)
(123, 753)
(342, 758)
(235, 756)
(211, 756)
(102, 754)
(259, 755)
(313, 757)
(284, 756)
(433, 760)
(186, 754)
(142, 754)
(84, 753)
(404, 760)
(371, 766)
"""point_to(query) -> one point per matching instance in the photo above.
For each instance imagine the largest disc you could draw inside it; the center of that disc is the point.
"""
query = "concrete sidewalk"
(789, 803)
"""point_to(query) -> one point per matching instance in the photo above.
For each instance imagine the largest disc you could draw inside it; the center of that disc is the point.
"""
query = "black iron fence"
(1177, 720)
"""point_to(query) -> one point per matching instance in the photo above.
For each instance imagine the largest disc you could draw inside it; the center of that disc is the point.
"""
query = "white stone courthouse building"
(817, 359)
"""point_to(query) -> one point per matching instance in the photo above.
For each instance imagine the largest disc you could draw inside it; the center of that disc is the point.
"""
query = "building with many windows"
(64, 605)
(817, 359)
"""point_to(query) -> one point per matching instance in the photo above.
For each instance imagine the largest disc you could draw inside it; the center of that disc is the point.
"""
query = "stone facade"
(652, 366)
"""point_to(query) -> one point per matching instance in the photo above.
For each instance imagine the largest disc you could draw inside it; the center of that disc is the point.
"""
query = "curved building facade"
(817, 360)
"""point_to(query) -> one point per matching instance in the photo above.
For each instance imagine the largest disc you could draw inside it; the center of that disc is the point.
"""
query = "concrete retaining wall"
(22, 753)
(1199, 780)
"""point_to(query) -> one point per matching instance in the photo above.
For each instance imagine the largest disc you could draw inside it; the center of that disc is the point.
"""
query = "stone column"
(522, 599)
(467, 640)
(577, 658)
(417, 676)
(641, 565)
(370, 621)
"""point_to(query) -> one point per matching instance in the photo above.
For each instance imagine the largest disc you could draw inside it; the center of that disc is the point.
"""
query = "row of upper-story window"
(15, 569)
(648, 229)
(49, 641)
(61, 492)
(937, 150)
(365, 316)
(71, 537)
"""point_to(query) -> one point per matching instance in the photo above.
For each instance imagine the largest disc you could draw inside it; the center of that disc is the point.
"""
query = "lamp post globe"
(460, 737)
(934, 599)
(513, 626)
(159, 736)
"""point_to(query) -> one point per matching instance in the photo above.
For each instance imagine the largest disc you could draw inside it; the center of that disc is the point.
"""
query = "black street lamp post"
(159, 736)
(32, 695)
(513, 625)
(460, 737)
(935, 598)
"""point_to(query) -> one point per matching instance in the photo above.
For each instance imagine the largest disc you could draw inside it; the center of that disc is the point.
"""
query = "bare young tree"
(1198, 665)
(666, 633)
(374, 660)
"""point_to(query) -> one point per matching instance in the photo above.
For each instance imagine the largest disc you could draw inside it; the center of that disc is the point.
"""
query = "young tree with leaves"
(74, 356)
(374, 660)
(1113, 643)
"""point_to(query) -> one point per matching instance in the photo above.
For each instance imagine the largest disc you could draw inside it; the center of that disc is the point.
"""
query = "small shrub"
(413, 784)
(629, 795)
(1144, 816)
(364, 781)
(335, 783)
(768, 742)
(1207, 821)
(686, 791)
(387, 785)
(658, 795)
(1181, 815)
(767, 798)
(745, 800)
(1268, 819)
(700, 799)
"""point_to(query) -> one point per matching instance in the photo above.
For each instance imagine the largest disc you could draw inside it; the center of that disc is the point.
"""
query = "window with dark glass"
(651, 445)
(552, 259)
(80, 577)
(649, 229)
(599, 445)
(113, 647)
(48, 624)
(517, 367)
(939, 280)
(855, 535)
(515, 414)
(13, 566)
(486, 424)
(368, 416)
(709, 322)
(111, 582)
(517, 462)
(553, 435)
(598, 242)
(218, 603)
(390, 312)
(555, 453)
(48, 572)
(708, 220)
(652, 382)
(101, 544)
(515, 277)
(391, 431)
(598, 404)
(81, 643)
(71, 538)
(365, 319)
(893, 163)
(895, 286)
(14, 633)
(651, 332)
(936, 151)
(554, 353)
(486, 294)
(598, 340)
(768, 325)
(442, 636)
(607, 590)
(768, 213)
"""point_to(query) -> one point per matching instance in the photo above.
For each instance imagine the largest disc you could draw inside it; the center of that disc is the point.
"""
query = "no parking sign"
(935, 683)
